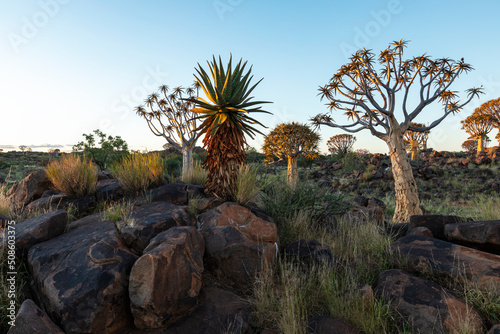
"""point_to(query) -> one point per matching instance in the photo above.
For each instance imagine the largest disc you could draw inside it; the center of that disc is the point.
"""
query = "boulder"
(310, 251)
(328, 325)
(53, 202)
(165, 282)
(494, 330)
(81, 279)
(397, 230)
(442, 258)
(147, 221)
(110, 189)
(238, 245)
(31, 319)
(30, 188)
(483, 235)
(39, 229)
(435, 223)
(87, 221)
(421, 230)
(426, 306)
(176, 193)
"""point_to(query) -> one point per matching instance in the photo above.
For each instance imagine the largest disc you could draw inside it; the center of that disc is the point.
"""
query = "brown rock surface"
(31, 320)
(483, 235)
(30, 188)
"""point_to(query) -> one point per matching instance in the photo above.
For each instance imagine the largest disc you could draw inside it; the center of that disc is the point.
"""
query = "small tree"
(470, 145)
(416, 140)
(111, 148)
(170, 116)
(478, 126)
(23, 148)
(291, 140)
(491, 107)
(368, 98)
(341, 144)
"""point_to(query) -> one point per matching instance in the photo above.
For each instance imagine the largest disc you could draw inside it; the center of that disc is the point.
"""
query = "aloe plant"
(225, 121)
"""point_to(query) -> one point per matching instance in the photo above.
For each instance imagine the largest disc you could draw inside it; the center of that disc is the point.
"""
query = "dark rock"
(147, 221)
(421, 230)
(360, 201)
(176, 193)
(81, 205)
(86, 221)
(81, 279)
(310, 251)
(54, 202)
(110, 189)
(397, 230)
(442, 258)
(30, 188)
(39, 229)
(31, 320)
(48, 193)
(435, 223)
(483, 235)
(426, 306)
(328, 325)
(494, 330)
(101, 176)
(165, 282)
(238, 245)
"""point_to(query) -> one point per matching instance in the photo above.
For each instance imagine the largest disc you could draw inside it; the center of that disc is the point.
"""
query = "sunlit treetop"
(470, 145)
(291, 140)
(341, 143)
(365, 89)
(479, 125)
(491, 107)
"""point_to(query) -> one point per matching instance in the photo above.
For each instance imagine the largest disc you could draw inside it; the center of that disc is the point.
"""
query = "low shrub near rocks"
(138, 172)
(73, 175)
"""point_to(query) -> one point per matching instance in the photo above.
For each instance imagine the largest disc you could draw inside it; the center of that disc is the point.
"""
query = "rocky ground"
(180, 266)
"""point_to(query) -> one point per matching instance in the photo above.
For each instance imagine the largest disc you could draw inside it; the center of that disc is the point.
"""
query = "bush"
(138, 172)
(73, 175)
(197, 175)
(172, 164)
(246, 188)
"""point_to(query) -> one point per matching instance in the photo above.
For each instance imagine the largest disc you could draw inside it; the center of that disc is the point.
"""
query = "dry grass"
(246, 189)
(73, 175)
(138, 172)
(120, 211)
(197, 175)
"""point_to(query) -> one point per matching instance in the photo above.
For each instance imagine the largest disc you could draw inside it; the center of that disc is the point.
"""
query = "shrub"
(138, 172)
(73, 175)
(196, 175)
(246, 188)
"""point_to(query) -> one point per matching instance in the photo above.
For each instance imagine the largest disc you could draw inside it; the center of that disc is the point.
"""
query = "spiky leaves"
(341, 144)
(291, 140)
(225, 120)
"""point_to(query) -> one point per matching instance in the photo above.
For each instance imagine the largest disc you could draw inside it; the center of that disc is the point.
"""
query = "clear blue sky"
(69, 67)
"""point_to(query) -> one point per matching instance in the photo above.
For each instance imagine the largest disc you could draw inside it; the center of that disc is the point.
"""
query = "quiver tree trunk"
(187, 161)
(407, 202)
(480, 143)
(292, 175)
(414, 149)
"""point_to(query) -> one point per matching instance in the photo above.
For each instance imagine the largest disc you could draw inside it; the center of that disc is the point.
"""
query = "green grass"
(197, 175)
(138, 172)
(246, 188)
(73, 175)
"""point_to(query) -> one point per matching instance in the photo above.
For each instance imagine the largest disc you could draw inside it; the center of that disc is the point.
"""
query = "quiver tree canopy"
(225, 116)
(478, 125)
(371, 89)
(291, 140)
(416, 140)
(341, 143)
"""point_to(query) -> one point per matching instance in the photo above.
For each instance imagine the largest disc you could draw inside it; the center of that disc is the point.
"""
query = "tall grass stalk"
(246, 188)
(138, 172)
(196, 175)
(73, 175)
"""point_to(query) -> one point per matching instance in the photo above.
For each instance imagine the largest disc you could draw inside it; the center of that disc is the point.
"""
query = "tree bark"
(187, 161)
(292, 175)
(414, 149)
(407, 201)
(480, 144)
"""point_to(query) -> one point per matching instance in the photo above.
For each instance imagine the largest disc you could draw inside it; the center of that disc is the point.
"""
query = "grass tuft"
(73, 175)
(246, 189)
(138, 172)
(197, 175)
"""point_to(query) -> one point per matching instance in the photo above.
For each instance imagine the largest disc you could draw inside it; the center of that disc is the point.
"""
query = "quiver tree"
(225, 121)
(470, 145)
(169, 115)
(478, 126)
(416, 140)
(290, 141)
(368, 97)
(491, 107)
(341, 144)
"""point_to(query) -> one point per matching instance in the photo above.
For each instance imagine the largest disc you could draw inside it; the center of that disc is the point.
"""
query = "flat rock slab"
(221, 311)
(426, 306)
(425, 254)
(81, 279)
(482, 235)
(39, 229)
(32, 320)
(165, 282)
(149, 220)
